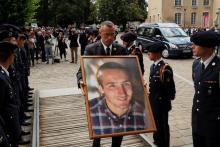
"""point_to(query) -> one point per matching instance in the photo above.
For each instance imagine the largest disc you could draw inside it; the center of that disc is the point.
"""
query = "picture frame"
(117, 102)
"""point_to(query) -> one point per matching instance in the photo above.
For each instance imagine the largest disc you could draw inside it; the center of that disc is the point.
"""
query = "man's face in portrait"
(117, 89)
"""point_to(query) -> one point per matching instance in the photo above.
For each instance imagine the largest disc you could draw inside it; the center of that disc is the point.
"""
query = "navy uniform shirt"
(161, 92)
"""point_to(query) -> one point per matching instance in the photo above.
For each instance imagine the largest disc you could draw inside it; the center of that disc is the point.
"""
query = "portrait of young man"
(106, 46)
(116, 110)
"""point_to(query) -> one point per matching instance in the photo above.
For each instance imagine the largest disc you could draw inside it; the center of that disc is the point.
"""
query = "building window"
(193, 18)
(206, 2)
(193, 2)
(178, 18)
(206, 19)
(177, 2)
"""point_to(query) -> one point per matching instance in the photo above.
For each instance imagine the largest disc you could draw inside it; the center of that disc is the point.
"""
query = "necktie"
(203, 67)
(154, 66)
(107, 51)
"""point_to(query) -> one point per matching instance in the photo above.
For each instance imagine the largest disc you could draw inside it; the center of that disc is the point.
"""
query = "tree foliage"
(65, 12)
(13, 11)
(17, 12)
(32, 6)
(121, 11)
(56, 12)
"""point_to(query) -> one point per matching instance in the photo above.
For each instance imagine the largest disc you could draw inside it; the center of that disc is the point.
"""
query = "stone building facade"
(196, 13)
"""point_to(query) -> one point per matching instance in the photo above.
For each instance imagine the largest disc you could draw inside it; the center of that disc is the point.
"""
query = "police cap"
(6, 46)
(156, 47)
(129, 37)
(10, 27)
(8, 30)
(95, 32)
(208, 39)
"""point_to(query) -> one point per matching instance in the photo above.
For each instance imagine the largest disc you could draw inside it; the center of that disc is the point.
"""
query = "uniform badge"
(213, 64)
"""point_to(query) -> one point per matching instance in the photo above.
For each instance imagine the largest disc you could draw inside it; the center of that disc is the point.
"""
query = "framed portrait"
(116, 100)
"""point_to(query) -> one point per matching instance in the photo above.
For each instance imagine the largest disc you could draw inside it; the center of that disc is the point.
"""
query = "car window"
(157, 32)
(148, 32)
(173, 32)
(140, 31)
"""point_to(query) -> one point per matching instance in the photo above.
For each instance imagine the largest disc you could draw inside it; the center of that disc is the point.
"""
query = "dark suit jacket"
(83, 40)
(98, 49)
(161, 93)
(206, 102)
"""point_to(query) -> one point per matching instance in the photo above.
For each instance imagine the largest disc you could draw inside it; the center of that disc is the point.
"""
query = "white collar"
(207, 61)
(106, 47)
(5, 70)
(156, 62)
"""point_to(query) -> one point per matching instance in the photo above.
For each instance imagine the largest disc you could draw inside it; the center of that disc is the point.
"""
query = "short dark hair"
(108, 24)
(110, 65)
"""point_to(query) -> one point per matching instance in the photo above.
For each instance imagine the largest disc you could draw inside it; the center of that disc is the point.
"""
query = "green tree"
(93, 13)
(13, 11)
(32, 6)
(121, 11)
(63, 13)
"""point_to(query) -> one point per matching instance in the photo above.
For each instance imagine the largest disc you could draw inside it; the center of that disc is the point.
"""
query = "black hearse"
(177, 41)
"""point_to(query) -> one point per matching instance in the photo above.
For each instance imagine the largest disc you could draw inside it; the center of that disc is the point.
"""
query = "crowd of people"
(192, 30)
(44, 43)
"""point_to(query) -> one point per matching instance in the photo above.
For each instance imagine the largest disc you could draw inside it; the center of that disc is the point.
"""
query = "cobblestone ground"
(63, 75)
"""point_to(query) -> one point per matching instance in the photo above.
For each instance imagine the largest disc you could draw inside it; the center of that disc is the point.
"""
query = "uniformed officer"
(206, 102)
(10, 33)
(129, 42)
(8, 106)
(161, 92)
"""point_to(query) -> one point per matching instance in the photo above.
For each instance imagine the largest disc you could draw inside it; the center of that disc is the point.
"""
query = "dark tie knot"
(203, 66)
(107, 51)
(154, 66)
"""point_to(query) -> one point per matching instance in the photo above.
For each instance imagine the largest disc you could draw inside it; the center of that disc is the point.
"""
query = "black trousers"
(202, 141)
(116, 141)
(162, 136)
(82, 49)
